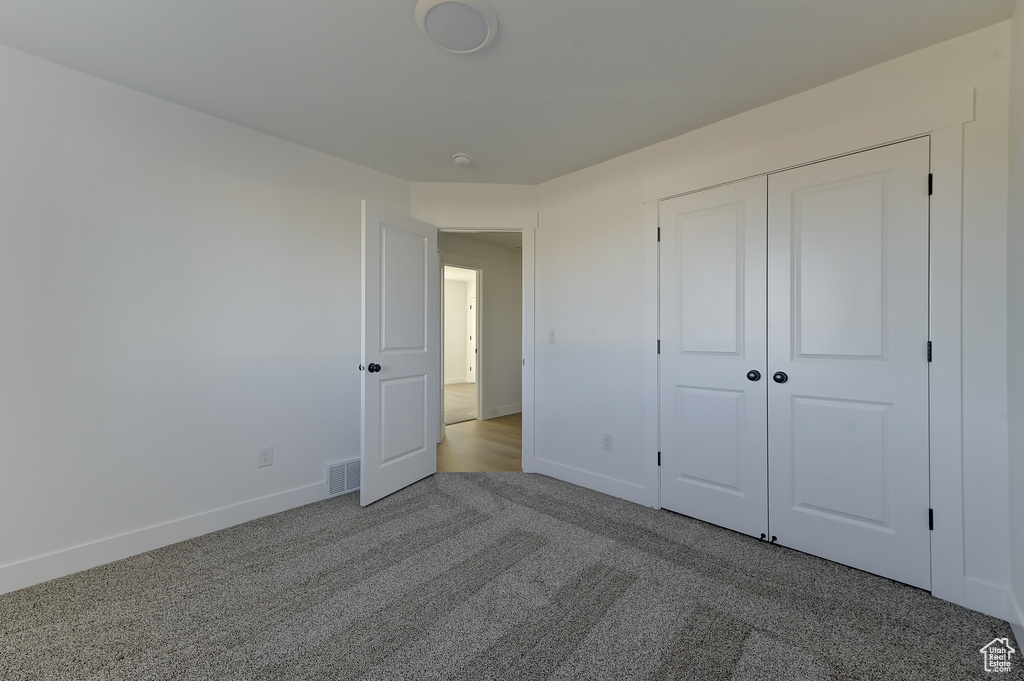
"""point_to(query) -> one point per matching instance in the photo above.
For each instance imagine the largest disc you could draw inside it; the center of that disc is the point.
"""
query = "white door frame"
(945, 391)
(528, 349)
(949, 579)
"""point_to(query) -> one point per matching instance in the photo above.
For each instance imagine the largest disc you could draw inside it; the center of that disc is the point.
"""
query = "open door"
(401, 353)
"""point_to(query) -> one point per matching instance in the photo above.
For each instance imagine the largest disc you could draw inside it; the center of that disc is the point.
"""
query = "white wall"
(494, 207)
(596, 272)
(1015, 287)
(594, 253)
(456, 331)
(176, 292)
(500, 308)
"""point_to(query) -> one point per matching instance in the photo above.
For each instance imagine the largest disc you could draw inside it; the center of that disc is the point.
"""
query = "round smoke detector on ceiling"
(459, 26)
(462, 160)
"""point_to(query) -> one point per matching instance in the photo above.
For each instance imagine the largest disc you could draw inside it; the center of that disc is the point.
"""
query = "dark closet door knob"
(753, 375)
(373, 368)
(780, 377)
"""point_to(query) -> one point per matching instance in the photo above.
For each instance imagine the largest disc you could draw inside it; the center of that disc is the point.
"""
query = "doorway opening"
(482, 357)
(461, 335)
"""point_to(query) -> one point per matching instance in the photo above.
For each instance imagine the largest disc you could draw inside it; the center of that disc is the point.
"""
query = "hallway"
(475, 446)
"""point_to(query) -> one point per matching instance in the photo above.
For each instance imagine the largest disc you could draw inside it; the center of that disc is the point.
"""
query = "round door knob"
(753, 375)
(373, 368)
(780, 377)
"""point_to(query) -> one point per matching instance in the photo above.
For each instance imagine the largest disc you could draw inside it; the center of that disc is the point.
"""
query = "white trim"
(503, 410)
(1016, 619)
(630, 491)
(991, 599)
(945, 381)
(529, 347)
(652, 360)
(49, 566)
(481, 342)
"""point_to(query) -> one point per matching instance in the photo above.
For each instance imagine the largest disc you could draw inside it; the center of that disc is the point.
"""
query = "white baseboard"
(453, 381)
(986, 597)
(36, 570)
(1016, 619)
(611, 486)
(504, 411)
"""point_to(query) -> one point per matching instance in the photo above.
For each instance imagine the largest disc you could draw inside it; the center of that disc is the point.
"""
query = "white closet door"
(848, 326)
(713, 418)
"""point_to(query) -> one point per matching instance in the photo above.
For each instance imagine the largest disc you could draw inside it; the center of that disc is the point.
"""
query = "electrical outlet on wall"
(606, 441)
(266, 456)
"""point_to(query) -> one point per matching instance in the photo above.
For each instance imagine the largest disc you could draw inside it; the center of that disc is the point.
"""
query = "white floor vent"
(342, 477)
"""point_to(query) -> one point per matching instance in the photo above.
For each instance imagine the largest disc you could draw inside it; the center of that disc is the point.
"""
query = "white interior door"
(471, 327)
(848, 326)
(713, 417)
(401, 352)
(441, 331)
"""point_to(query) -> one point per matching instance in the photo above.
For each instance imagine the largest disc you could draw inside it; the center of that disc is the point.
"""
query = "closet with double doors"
(794, 358)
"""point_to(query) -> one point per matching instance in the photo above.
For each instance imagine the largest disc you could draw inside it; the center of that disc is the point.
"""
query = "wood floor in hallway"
(489, 446)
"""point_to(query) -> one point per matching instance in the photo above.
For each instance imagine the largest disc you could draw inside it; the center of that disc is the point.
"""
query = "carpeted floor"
(472, 576)
(459, 403)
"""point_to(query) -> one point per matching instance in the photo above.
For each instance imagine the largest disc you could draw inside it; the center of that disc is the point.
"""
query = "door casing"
(529, 235)
(949, 580)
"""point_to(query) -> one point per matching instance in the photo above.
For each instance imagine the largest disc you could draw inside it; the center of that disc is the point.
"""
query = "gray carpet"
(459, 403)
(472, 576)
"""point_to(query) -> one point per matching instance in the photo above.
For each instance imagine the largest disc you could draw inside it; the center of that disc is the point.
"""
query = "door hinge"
(659, 346)
(659, 458)
(929, 351)
(659, 234)
(930, 178)
(931, 519)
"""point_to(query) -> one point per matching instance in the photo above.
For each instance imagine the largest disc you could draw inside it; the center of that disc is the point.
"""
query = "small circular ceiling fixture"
(459, 26)
(462, 160)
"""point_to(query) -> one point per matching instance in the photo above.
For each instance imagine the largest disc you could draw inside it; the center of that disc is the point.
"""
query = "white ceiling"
(458, 274)
(566, 83)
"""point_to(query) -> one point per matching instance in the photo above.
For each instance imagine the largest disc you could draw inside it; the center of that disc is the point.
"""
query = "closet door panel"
(848, 326)
(712, 312)
(840, 303)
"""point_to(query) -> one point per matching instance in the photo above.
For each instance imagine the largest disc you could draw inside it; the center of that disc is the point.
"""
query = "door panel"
(840, 304)
(401, 334)
(403, 406)
(709, 259)
(403, 274)
(712, 311)
(845, 440)
(709, 421)
(848, 324)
